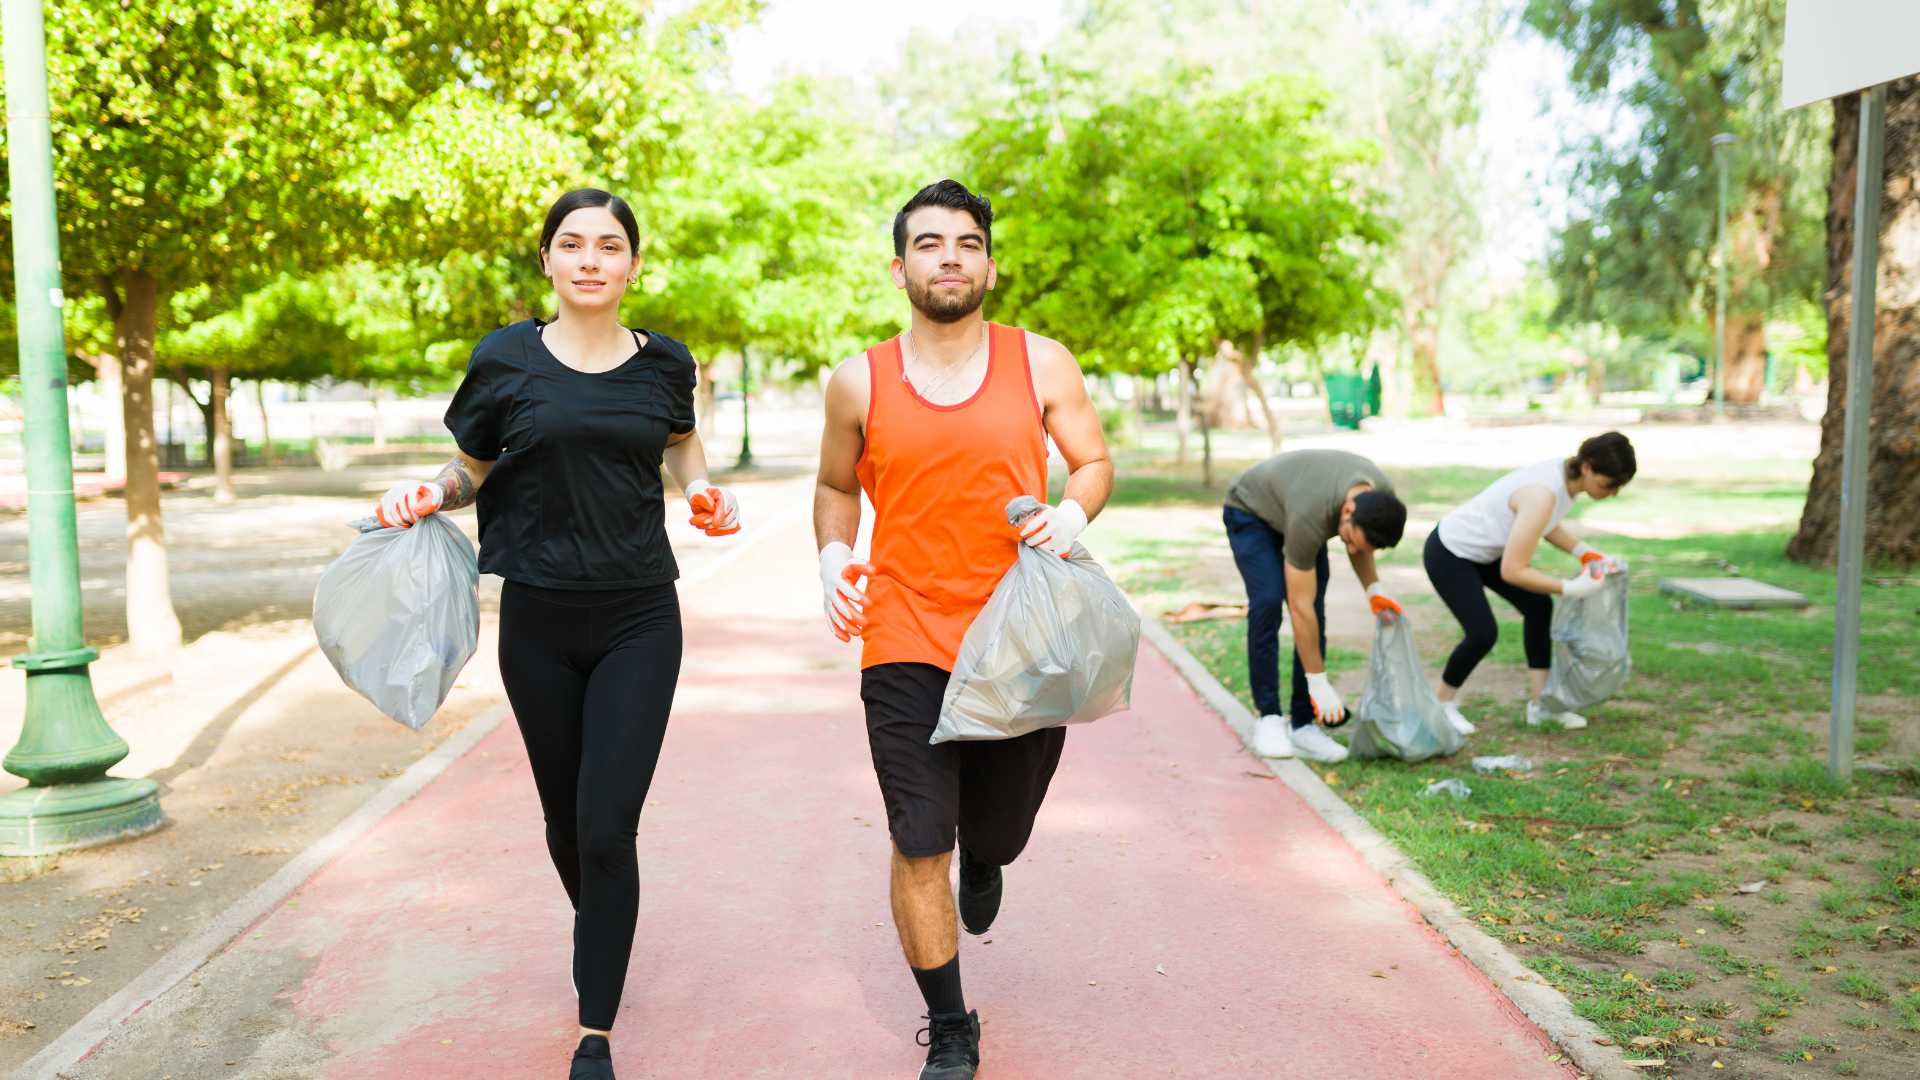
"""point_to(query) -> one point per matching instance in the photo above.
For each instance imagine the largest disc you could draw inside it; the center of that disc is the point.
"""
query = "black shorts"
(986, 791)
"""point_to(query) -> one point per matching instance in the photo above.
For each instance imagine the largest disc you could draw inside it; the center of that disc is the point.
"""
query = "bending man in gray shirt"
(1279, 516)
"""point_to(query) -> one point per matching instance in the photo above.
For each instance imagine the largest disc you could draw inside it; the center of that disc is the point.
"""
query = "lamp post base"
(65, 817)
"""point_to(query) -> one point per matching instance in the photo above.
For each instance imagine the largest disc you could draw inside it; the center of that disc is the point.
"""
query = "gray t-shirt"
(1300, 493)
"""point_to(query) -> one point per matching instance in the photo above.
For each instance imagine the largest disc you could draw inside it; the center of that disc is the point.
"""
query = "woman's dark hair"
(583, 198)
(1610, 455)
(953, 195)
(1381, 516)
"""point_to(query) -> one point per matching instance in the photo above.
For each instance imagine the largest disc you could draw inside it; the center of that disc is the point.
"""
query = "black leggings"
(591, 676)
(1462, 585)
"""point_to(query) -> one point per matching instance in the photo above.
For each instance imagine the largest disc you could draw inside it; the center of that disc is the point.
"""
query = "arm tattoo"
(459, 485)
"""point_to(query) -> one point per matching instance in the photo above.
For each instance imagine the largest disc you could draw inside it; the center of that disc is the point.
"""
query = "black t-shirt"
(574, 500)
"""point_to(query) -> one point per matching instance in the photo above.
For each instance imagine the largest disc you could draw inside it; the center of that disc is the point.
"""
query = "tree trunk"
(108, 366)
(706, 400)
(1248, 360)
(152, 626)
(379, 418)
(1746, 377)
(1423, 340)
(266, 433)
(1183, 414)
(221, 419)
(1206, 433)
(1893, 441)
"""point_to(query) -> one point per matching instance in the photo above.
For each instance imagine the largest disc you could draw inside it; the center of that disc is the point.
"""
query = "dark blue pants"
(1257, 551)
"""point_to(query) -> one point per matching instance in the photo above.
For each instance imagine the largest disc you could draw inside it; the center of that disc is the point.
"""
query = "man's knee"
(922, 869)
(1270, 606)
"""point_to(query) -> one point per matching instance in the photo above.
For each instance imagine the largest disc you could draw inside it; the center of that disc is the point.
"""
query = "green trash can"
(1346, 398)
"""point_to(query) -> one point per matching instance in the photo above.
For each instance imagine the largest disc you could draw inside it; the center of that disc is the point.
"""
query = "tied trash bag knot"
(1399, 715)
(398, 615)
(1590, 658)
(1054, 645)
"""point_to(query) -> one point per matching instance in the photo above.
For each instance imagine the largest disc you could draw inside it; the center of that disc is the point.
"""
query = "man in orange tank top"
(941, 427)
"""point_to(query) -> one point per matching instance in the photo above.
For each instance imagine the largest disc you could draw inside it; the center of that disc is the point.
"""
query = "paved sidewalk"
(1178, 914)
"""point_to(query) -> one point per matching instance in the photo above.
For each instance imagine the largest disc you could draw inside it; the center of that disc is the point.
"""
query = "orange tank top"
(939, 478)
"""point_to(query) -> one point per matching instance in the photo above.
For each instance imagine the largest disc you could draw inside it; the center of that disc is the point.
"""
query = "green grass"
(1705, 773)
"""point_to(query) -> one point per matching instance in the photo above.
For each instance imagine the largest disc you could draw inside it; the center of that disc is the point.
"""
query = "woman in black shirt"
(562, 430)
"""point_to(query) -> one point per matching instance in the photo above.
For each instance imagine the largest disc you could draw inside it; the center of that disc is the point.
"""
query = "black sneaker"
(980, 885)
(594, 1060)
(953, 1046)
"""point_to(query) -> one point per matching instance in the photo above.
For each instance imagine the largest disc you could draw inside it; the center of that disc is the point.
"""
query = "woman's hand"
(715, 511)
(407, 502)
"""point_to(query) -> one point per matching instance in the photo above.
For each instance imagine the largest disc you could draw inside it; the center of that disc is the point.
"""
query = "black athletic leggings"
(590, 676)
(1463, 586)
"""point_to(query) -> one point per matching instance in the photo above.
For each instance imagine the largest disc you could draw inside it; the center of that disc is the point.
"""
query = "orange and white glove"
(845, 601)
(1053, 529)
(1328, 709)
(1586, 554)
(1385, 607)
(407, 502)
(715, 511)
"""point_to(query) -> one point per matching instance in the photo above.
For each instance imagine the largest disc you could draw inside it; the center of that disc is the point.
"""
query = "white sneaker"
(1569, 721)
(1270, 737)
(1459, 721)
(1316, 745)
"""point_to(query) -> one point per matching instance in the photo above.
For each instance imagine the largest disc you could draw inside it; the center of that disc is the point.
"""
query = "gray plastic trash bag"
(398, 614)
(1054, 645)
(1399, 715)
(1590, 660)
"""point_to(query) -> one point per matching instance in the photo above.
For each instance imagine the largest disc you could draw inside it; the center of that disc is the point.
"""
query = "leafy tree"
(1145, 230)
(220, 143)
(1638, 250)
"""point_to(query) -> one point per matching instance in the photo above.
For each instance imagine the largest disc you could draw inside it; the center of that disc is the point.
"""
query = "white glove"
(1328, 710)
(1053, 529)
(407, 502)
(1582, 584)
(845, 602)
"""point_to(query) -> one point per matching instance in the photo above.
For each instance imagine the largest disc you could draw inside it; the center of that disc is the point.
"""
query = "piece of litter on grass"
(1751, 887)
(1644, 1063)
(1515, 762)
(1448, 787)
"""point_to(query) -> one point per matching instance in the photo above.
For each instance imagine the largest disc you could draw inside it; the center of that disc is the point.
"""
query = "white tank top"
(1478, 531)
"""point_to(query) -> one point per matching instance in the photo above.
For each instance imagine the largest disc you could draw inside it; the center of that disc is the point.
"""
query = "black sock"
(594, 1046)
(941, 988)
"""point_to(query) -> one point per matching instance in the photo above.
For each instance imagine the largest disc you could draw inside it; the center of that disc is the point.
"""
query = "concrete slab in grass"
(1733, 592)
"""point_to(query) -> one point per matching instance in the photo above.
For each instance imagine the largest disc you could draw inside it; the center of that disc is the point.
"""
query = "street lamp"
(1720, 144)
(65, 746)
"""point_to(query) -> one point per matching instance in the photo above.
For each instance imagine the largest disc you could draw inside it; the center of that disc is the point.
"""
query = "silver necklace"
(914, 346)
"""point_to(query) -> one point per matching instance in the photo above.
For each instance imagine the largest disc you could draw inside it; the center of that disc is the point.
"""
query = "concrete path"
(1178, 913)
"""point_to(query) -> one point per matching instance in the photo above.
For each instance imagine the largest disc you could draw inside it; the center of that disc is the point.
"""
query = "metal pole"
(65, 746)
(1720, 144)
(746, 396)
(1853, 469)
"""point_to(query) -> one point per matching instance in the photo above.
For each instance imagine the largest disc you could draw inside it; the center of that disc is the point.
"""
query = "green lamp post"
(66, 747)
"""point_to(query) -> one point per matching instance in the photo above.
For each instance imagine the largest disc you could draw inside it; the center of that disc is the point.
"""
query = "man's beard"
(946, 306)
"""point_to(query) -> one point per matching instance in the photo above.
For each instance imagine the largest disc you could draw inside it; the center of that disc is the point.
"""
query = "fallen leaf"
(1717, 1065)
(1644, 1063)
(1379, 974)
(1644, 1042)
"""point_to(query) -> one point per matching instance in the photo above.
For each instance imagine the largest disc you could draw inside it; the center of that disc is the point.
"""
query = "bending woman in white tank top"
(1488, 544)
